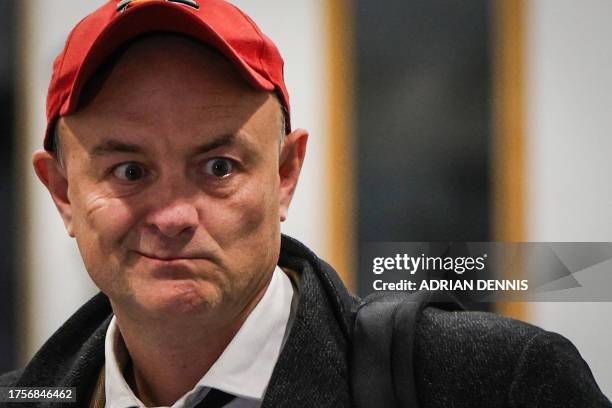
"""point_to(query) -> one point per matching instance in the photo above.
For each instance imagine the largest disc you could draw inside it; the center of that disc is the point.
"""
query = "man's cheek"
(100, 236)
(234, 220)
(103, 219)
(255, 206)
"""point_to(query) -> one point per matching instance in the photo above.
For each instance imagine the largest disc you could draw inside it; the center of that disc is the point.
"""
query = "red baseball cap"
(213, 22)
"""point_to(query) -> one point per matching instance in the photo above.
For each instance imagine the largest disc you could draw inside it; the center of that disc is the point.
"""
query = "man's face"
(173, 187)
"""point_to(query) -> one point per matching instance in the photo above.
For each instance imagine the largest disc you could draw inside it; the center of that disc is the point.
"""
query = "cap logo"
(125, 4)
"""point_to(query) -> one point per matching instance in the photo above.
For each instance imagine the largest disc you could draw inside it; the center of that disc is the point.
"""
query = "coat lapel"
(312, 369)
(74, 355)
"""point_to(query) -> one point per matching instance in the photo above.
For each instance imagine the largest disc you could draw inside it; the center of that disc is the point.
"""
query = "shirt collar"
(239, 370)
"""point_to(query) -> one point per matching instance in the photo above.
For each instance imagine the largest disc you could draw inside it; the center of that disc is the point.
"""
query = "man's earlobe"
(291, 159)
(53, 176)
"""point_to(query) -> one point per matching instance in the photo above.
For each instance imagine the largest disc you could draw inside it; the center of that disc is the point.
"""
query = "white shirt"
(243, 369)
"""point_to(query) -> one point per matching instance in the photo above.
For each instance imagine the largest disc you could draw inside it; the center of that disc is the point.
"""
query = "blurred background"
(430, 120)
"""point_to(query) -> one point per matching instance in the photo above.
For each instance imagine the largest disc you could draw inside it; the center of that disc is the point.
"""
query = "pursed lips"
(174, 266)
(171, 257)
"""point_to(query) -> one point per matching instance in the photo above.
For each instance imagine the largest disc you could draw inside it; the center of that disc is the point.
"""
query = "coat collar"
(312, 369)
(74, 355)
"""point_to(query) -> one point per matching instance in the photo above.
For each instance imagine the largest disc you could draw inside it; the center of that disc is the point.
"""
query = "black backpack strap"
(382, 347)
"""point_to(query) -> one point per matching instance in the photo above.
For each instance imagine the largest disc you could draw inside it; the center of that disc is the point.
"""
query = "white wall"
(56, 282)
(569, 150)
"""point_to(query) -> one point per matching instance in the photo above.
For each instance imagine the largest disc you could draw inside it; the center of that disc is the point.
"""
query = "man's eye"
(219, 167)
(129, 172)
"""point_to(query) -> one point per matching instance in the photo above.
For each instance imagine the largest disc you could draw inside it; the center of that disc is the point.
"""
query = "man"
(170, 157)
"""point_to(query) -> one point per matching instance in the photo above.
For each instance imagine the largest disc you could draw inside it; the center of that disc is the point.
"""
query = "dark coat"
(461, 359)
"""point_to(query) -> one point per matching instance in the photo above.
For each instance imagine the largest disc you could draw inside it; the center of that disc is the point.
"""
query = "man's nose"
(174, 219)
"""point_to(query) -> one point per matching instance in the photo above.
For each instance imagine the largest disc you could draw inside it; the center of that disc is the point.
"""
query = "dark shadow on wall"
(8, 29)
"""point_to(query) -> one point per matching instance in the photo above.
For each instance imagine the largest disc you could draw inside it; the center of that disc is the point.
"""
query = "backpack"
(382, 346)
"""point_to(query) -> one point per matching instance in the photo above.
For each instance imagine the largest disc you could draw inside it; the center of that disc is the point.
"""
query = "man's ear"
(53, 176)
(291, 160)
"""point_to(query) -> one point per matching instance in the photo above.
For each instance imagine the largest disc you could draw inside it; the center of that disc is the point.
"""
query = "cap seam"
(262, 44)
(61, 68)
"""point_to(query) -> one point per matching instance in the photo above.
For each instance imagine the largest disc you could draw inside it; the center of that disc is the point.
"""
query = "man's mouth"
(170, 257)
(176, 266)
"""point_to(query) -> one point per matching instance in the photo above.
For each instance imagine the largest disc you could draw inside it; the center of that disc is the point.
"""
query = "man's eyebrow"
(240, 139)
(222, 140)
(110, 146)
(114, 146)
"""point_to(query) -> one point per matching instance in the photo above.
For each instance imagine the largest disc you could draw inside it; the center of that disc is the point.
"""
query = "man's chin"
(176, 298)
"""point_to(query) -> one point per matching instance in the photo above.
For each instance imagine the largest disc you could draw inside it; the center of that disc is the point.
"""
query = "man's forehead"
(131, 125)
